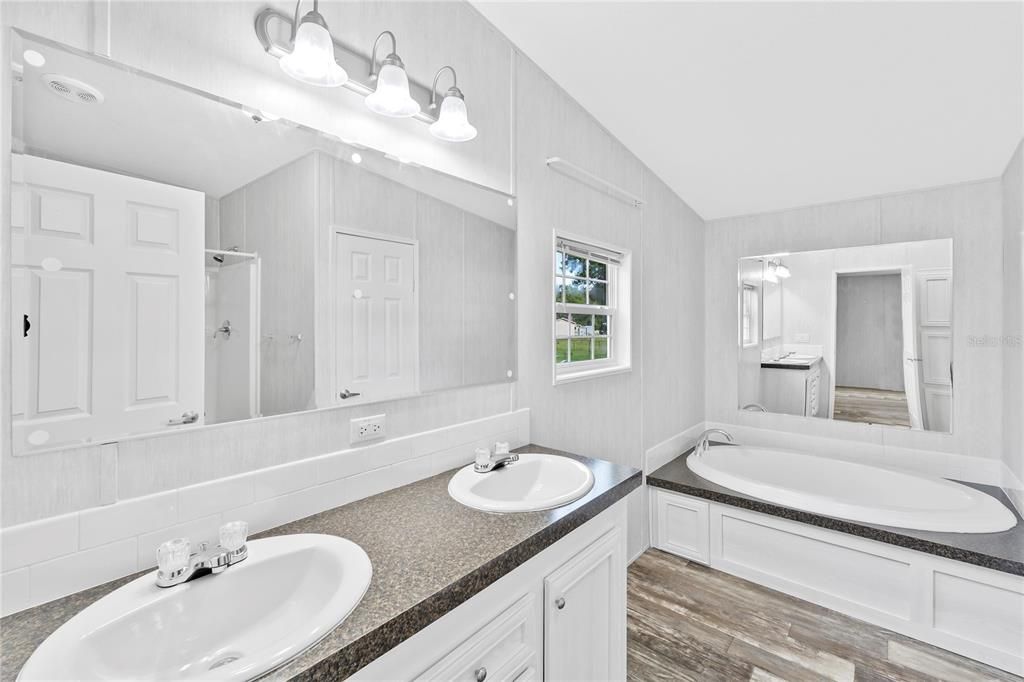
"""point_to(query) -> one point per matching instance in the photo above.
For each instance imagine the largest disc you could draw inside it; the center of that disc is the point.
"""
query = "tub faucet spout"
(704, 442)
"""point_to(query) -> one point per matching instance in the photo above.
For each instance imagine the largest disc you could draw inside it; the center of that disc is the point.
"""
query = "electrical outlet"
(367, 428)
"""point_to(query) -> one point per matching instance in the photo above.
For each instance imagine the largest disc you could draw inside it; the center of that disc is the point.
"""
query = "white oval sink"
(535, 482)
(256, 615)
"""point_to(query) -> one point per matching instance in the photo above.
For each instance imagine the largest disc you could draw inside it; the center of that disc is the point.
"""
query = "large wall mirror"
(861, 334)
(179, 260)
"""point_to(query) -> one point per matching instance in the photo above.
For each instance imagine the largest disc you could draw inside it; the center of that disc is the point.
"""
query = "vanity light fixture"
(312, 57)
(391, 96)
(452, 123)
(357, 157)
(782, 271)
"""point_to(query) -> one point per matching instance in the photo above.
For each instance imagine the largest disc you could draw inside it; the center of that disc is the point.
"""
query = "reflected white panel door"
(911, 359)
(376, 319)
(107, 303)
(935, 327)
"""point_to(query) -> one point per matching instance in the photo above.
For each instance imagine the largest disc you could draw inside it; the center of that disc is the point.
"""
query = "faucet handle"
(233, 535)
(173, 555)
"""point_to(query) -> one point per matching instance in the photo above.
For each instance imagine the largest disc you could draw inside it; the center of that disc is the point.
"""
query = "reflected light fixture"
(391, 97)
(357, 157)
(770, 275)
(33, 58)
(452, 123)
(782, 271)
(312, 57)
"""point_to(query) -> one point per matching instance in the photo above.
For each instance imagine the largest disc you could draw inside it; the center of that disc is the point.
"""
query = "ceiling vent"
(72, 89)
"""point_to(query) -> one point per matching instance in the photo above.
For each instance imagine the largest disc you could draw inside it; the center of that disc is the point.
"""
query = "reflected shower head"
(219, 257)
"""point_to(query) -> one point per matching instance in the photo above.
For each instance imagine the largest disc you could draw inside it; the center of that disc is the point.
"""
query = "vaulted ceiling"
(744, 107)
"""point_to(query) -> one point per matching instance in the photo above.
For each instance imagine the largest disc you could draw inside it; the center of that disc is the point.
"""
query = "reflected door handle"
(186, 418)
(346, 394)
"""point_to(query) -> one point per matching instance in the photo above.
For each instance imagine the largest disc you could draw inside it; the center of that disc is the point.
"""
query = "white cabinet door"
(585, 614)
(107, 274)
(681, 525)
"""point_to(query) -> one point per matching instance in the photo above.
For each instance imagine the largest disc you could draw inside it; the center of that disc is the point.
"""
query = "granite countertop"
(429, 555)
(999, 551)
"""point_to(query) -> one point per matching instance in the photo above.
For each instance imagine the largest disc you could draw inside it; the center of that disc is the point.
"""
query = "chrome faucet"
(487, 461)
(177, 563)
(755, 407)
(704, 442)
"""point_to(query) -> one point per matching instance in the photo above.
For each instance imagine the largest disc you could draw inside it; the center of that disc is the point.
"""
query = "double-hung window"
(591, 318)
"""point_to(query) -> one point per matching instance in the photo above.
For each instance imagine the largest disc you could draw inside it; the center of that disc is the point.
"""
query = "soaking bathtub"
(852, 491)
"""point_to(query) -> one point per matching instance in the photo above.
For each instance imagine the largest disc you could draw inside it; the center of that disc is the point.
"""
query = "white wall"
(1013, 324)
(972, 215)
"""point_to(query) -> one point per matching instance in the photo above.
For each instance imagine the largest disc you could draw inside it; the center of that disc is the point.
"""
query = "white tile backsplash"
(31, 543)
(216, 496)
(132, 517)
(50, 558)
(74, 572)
(14, 590)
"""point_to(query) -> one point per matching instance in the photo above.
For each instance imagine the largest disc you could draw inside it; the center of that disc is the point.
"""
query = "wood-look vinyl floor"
(690, 622)
(871, 406)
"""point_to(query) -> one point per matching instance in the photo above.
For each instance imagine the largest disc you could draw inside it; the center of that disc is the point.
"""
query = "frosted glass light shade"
(782, 271)
(312, 58)
(392, 98)
(452, 123)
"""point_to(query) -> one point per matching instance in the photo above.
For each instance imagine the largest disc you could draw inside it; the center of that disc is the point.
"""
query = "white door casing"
(935, 334)
(108, 270)
(911, 359)
(376, 328)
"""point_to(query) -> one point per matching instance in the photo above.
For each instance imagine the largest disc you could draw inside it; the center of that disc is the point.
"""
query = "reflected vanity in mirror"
(180, 260)
(860, 334)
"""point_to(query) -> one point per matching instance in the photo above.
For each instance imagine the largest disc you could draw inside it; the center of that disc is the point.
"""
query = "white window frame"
(617, 309)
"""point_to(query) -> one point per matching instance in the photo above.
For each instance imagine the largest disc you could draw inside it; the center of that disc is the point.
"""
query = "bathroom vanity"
(793, 386)
(455, 593)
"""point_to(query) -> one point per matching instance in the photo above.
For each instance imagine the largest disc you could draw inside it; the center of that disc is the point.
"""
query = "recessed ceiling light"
(33, 58)
(357, 157)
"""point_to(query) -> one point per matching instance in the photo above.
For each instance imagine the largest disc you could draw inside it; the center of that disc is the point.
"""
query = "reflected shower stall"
(232, 335)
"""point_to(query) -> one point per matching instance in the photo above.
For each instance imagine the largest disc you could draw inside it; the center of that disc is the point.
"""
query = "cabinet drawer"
(506, 649)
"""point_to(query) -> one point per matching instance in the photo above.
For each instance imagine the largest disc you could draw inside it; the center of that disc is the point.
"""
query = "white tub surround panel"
(973, 611)
(970, 214)
(664, 452)
(54, 557)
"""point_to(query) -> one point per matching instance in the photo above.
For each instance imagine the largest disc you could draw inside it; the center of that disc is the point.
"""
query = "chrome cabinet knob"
(480, 674)
(560, 603)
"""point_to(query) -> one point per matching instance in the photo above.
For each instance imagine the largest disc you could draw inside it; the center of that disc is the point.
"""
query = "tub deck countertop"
(999, 551)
